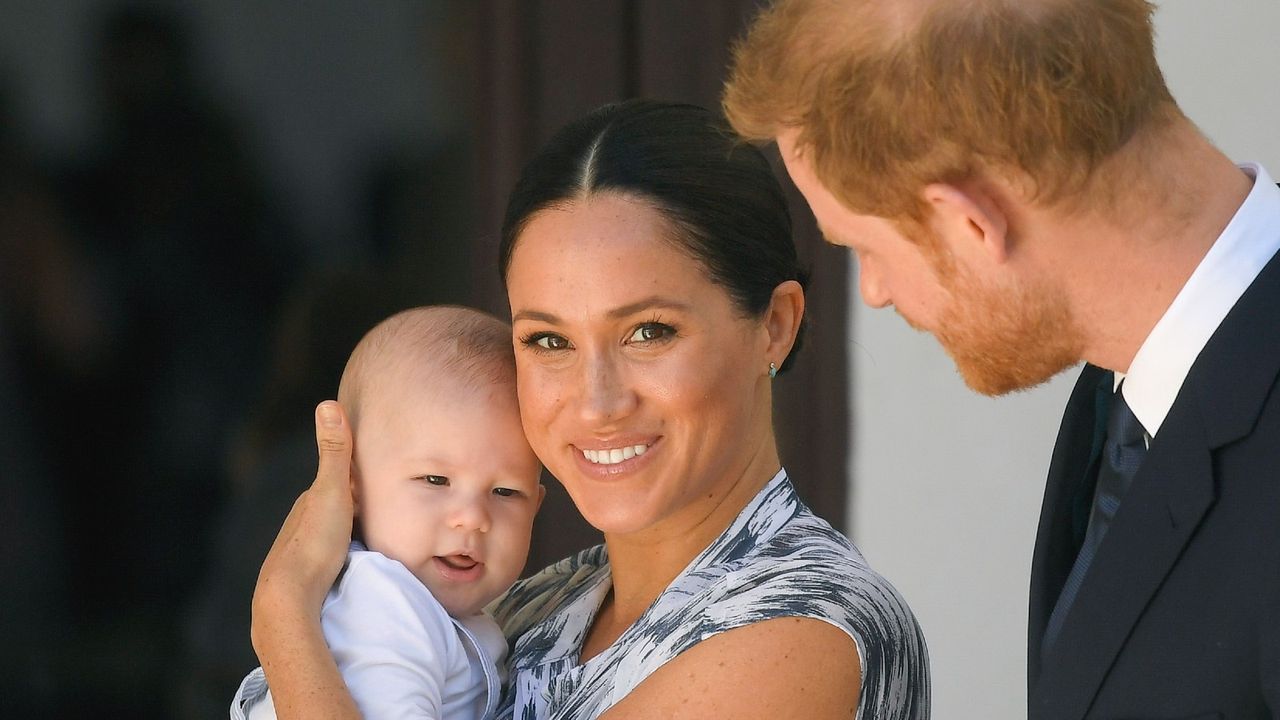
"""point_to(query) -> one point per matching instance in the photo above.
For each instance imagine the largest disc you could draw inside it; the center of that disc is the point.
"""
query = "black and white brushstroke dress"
(777, 559)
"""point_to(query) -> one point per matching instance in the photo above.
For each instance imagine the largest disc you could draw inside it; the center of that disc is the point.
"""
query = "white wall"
(947, 484)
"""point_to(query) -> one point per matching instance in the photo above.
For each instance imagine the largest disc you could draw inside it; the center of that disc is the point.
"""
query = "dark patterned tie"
(1122, 454)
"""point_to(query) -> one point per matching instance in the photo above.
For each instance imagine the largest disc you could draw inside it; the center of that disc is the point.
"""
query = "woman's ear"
(782, 321)
(968, 219)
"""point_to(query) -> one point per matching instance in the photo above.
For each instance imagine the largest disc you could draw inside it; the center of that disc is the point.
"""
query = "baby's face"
(447, 485)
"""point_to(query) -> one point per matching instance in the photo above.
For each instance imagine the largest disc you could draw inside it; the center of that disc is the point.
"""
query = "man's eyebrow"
(649, 303)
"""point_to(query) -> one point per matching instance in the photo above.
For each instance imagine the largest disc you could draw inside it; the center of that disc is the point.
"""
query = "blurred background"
(203, 206)
(205, 203)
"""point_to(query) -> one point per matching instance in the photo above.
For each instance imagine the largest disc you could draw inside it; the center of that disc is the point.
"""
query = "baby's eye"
(435, 479)
(652, 331)
(506, 492)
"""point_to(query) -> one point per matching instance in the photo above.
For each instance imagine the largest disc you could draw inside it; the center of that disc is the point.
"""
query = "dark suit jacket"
(1179, 616)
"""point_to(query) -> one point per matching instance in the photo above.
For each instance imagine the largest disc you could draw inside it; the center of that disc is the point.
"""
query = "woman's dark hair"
(718, 192)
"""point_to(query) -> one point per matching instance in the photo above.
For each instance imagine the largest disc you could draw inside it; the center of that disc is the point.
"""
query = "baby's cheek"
(513, 543)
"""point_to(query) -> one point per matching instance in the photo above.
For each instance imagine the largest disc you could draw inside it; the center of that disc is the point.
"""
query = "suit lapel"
(1169, 496)
(1219, 403)
(1069, 479)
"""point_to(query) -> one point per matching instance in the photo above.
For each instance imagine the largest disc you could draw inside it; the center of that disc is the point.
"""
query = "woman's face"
(642, 387)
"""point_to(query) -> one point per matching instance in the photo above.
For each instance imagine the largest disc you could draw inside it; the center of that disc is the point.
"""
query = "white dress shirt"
(1245, 246)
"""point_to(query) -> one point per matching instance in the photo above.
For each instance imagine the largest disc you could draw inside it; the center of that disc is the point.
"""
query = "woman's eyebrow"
(538, 315)
(649, 303)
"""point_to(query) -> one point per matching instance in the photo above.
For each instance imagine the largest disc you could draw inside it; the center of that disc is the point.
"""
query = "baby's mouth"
(458, 562)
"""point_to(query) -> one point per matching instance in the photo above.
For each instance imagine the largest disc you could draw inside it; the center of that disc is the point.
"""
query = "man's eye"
(436, 479)
(650, 332)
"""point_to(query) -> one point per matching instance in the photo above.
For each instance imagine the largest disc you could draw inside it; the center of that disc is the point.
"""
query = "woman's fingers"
(303, 563)
(333, 439)
(312, 544)
(325, 530)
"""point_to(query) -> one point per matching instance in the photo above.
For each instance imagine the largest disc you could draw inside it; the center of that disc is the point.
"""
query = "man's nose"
(871, 285)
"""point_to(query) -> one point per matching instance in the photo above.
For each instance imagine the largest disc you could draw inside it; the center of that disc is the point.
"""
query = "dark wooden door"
(536, 64)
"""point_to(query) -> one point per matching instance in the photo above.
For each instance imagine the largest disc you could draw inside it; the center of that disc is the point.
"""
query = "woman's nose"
(605, 395)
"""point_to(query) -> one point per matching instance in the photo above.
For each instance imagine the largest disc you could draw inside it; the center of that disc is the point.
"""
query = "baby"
(446, 489)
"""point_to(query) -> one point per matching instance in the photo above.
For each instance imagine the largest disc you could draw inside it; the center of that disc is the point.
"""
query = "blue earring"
(773, 371)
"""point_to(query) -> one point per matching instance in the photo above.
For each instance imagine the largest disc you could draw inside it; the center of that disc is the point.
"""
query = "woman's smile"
(613, 456)
(613, 459)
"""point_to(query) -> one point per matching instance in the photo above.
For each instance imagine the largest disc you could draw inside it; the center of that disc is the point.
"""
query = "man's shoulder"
(1232, 383)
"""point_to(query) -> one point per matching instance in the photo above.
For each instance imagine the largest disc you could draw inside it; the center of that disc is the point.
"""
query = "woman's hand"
(303, 563)
(309, 550)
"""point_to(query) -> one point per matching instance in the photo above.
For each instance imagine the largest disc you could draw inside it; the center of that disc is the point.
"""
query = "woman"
(654, 293)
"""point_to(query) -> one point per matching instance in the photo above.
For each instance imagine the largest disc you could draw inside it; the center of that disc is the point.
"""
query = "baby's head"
(443, 477)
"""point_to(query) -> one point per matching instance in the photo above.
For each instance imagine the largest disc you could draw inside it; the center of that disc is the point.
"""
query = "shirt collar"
(1161, 365)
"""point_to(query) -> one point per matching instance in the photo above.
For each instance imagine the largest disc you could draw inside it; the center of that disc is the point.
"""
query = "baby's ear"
(542, 495)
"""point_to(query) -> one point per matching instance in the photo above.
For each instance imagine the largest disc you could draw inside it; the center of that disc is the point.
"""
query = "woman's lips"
(616, 458)
(613, 456)
(458, 568)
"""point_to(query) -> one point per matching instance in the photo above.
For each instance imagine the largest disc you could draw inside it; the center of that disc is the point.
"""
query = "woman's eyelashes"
(649, 333)
(545, 342)
(652, 332)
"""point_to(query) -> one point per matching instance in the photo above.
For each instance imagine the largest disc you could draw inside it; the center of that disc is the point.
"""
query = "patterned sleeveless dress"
(776, 559)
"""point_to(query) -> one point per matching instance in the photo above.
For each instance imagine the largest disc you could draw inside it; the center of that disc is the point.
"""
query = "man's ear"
(782, 321)
(969, 219)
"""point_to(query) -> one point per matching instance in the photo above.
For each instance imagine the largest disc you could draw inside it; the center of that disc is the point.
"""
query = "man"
(1015, 178)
